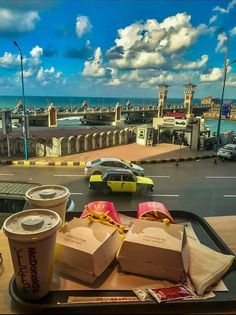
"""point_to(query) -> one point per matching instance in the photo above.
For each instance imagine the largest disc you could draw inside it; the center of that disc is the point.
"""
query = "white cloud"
(48, 76)
(215, 75)
(28, 73)
(142, 60)
(17, 22)
(83, 25)
(132, 75)
(36, 52)
(163, 77)
(150, 44)
(183, 38)
(9, 61)
(231, 81)
(219, 9)
(230, 6)
(221, 42)
(193, 64)
(129, 35)
(94, 67)
(114, 82)
(213, 19)
(233, 31)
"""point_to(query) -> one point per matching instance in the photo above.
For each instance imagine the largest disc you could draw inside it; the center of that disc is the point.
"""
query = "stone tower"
(163, 90)
(189, 90)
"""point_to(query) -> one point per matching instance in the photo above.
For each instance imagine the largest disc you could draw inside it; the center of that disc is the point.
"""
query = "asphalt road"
(201, 187)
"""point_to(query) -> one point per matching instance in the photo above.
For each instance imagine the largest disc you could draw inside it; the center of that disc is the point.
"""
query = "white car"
(102, 165)
(228, 151)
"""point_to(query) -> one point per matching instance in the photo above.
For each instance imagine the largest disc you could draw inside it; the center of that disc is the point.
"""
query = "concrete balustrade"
(40, 146)
(80, 144)
(71, 145)
(102, 140)
(95, 141)
(122, 137)
(88, 142)
(109, 139)
(52, 146)
(116, 137)
(63, 146)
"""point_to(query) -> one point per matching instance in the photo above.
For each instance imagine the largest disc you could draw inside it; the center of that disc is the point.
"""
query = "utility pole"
(222, 94)
(226, 65)
(24, 125)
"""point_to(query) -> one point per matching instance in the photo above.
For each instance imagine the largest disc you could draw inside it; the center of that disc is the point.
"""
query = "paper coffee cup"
(32, 238)
(52, 197)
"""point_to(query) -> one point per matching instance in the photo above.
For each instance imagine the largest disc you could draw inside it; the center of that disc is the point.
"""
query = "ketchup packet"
(176, 292)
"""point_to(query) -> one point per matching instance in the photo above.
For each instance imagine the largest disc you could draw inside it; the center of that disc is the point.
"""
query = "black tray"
(222, 302)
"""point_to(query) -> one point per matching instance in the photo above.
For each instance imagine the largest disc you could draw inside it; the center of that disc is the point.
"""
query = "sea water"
(225, 125)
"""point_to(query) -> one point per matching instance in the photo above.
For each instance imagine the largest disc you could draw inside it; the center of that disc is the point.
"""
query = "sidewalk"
(136, 153)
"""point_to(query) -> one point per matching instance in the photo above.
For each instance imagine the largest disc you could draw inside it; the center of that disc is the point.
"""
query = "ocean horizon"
(33, 102)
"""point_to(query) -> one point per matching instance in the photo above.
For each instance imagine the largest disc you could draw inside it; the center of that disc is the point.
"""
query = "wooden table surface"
(225, 226)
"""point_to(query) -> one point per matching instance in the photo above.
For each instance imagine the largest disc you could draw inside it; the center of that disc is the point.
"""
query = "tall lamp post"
(226, 65)
(24, 126)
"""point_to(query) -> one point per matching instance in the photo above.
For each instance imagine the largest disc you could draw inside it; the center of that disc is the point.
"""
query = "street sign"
(226, 109)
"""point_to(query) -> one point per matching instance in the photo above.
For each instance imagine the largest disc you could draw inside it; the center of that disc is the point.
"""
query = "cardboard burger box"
(85, 249)
(154, 249)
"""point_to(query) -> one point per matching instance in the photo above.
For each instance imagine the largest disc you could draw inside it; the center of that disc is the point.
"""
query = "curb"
(82, 164)
(174, 160)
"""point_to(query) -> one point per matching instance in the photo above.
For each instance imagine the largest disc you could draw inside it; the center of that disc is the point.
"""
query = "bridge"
(107, 116)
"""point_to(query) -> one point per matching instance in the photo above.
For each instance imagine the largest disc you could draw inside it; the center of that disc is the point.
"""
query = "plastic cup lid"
(31, 224)
(45, 192)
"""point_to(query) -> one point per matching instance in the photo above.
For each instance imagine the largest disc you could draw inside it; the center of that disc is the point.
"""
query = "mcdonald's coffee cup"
(32, 239)
(52, 197)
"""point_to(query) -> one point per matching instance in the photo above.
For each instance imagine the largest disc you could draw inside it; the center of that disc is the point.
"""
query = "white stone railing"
(52, 146)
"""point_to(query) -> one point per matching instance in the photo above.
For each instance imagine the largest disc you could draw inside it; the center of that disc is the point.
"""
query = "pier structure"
(106, 116)
(163, 90)
(189, 90)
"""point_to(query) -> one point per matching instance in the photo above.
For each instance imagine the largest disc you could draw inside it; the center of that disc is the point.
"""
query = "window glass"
(107, 164)
(119, 164)
(128, 178)
(95, 161)
(115, 177)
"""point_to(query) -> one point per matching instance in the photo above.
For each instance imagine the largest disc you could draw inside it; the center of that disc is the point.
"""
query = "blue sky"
(117, 48)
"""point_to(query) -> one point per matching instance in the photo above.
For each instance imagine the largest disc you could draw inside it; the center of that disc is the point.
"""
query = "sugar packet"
(143, 294)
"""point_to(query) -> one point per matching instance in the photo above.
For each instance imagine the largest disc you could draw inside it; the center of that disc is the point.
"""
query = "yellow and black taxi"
(120, 181)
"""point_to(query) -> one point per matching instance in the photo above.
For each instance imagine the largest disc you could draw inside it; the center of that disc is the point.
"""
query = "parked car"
(102, 165)
(120, 180)
(228, 151)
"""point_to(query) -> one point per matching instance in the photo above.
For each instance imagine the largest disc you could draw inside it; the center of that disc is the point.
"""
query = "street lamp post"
(24, 125)
(226, 65)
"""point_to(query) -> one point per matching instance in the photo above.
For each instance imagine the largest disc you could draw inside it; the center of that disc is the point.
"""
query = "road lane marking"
(162, 176)
(76, 193)
(220, 177)
(6, 174)
(163, 195)
(230, 196)
(68, 175)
